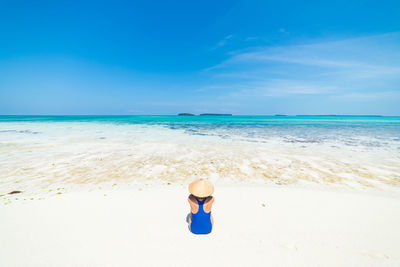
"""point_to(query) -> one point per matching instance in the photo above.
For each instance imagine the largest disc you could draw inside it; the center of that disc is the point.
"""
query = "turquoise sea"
(306, 128)
(344, 151)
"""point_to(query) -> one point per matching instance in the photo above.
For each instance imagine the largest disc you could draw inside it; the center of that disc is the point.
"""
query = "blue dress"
(201, 221)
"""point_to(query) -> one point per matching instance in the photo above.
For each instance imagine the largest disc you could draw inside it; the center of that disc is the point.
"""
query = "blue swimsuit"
(201, 221)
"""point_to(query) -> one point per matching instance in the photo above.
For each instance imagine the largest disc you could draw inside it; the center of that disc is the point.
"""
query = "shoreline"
(45, 153)
(56, 190)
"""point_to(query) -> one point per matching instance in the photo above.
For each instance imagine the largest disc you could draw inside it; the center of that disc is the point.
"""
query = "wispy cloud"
(366, 96)
(223, 42)
(349, 67)
(252, 38)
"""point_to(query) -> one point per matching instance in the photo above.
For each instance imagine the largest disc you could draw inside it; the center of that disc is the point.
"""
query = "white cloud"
(354, 67)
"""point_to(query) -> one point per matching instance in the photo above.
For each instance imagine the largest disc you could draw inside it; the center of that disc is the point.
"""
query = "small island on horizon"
(185, 114)
(204, 114)
(214, 114)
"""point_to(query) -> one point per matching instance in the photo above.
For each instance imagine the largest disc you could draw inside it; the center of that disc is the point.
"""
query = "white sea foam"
(39, 154)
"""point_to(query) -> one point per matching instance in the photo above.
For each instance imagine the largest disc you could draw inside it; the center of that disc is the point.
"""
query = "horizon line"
(211, 114)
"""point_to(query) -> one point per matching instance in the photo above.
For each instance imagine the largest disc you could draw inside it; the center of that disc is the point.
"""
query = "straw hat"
(201, 188)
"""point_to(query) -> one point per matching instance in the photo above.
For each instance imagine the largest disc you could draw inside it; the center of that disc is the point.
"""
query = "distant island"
(203, 114)
(214, 114)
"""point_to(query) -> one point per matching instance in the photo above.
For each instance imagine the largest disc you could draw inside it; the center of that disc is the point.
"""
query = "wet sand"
(35, 155)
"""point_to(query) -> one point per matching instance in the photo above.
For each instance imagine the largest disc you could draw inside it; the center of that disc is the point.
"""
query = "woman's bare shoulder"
(209, 199)
(194, 206)
(208, 204)
(192, 199)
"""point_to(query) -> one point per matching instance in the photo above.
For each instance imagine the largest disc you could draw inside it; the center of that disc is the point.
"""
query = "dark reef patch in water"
(21, 131)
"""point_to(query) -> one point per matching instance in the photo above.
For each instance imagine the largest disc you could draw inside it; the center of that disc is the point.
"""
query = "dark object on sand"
(15, 192)
(185, 114)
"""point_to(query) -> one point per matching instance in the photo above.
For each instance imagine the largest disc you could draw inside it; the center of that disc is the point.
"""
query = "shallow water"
(345, 151)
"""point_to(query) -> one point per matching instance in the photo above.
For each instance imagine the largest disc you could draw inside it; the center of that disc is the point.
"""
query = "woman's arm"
(194, 206)
(208, 204)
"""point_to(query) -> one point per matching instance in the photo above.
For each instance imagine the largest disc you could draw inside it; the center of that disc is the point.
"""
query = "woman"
(200, 200)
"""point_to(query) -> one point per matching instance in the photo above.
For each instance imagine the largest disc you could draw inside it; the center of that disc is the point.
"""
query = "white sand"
(128, 227)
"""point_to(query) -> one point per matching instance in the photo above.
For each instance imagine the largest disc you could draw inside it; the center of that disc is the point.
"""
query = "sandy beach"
(254, 226)
(114, 192)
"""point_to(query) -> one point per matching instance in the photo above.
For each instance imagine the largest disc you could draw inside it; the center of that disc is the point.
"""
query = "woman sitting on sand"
(200, 200)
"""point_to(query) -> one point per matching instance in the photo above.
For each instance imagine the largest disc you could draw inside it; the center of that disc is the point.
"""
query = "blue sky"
(165, 57)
